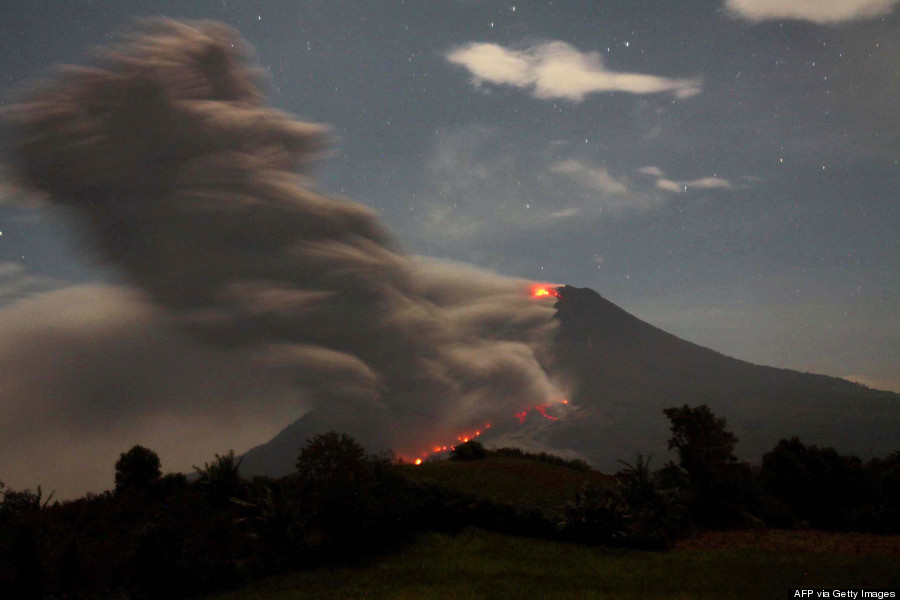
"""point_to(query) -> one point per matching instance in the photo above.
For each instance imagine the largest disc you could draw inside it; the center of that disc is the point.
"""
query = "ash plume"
(192, 186)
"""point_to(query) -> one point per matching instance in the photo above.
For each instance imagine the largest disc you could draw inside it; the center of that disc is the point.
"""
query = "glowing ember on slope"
(464, 438)
(543, 412)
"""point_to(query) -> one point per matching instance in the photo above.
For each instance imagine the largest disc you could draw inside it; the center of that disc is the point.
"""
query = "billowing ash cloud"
(189, 183)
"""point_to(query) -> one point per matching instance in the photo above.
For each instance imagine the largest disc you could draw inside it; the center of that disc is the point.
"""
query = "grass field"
(478, 564)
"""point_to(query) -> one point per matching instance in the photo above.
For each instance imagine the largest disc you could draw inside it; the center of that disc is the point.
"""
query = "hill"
(521, 482)
(623, 373)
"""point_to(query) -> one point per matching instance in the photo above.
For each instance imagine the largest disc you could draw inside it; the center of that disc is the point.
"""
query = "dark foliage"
(702, 441)
(827, 490)
(718, 486)
(351, 501)
(576, 464)
(471, 450)
(332, 459)
(220, 479)
(137, 470)
(170, 537)
(635, 513)
(881, 512)
(599, 515)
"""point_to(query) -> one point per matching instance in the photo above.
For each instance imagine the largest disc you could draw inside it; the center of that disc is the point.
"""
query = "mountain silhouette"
(622, 373)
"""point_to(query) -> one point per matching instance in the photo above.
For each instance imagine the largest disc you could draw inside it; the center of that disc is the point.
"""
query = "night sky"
(725, 170)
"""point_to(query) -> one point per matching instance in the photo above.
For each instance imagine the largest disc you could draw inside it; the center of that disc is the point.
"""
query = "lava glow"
(467, 437)
(542, 410)
(544, 291)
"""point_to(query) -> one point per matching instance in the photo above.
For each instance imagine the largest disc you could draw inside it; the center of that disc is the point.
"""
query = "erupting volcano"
(311, 289)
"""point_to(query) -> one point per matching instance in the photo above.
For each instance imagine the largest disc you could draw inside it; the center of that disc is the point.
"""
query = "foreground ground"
(479, 564)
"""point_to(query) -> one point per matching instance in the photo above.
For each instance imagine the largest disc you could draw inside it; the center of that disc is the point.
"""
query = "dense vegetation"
(169, 535)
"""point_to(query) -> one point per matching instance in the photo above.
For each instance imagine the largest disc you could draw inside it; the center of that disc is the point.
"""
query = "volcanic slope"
(623, 372)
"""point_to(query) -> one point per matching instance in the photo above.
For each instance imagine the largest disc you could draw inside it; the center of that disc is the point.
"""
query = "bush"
(576, 464)
(819, 485)
(220, 479)
(599, 515)
(882, 513)
(471, 450)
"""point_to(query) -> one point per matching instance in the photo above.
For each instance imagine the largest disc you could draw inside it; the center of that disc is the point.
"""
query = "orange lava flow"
(543, 412)
(467, 437)
(462, 438)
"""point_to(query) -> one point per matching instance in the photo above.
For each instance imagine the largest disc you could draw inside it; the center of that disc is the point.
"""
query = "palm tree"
(221, 477)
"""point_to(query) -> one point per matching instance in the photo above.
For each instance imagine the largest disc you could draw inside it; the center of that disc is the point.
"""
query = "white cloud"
(479, 186)
(709, 183)
(565, 213)
(704, 183)
(594, 178)
(669, 185)
(599, 191)
(817, 11)
(558, 70)
(652, 171)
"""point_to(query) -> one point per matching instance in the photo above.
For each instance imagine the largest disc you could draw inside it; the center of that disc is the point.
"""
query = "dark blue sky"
(727, 173)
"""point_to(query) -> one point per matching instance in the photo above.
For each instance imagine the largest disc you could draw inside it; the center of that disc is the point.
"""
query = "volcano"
(623, 372)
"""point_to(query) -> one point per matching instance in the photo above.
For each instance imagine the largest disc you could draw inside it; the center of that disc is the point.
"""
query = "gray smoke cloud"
(193, 187)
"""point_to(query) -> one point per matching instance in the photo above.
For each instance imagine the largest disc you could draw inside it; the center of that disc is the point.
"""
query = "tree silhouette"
(716, 481)
(339, 480)
(702, 441)
(332, 459)
(138, 469)
(18, 504)
(221, 478)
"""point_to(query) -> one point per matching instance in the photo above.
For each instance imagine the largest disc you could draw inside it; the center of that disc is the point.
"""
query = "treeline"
(795, 486)
(172, 536)
(576, 464)
(169, 536)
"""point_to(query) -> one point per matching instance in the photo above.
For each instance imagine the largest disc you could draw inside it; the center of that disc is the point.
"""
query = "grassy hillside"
(478, 564)
(520, 482)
